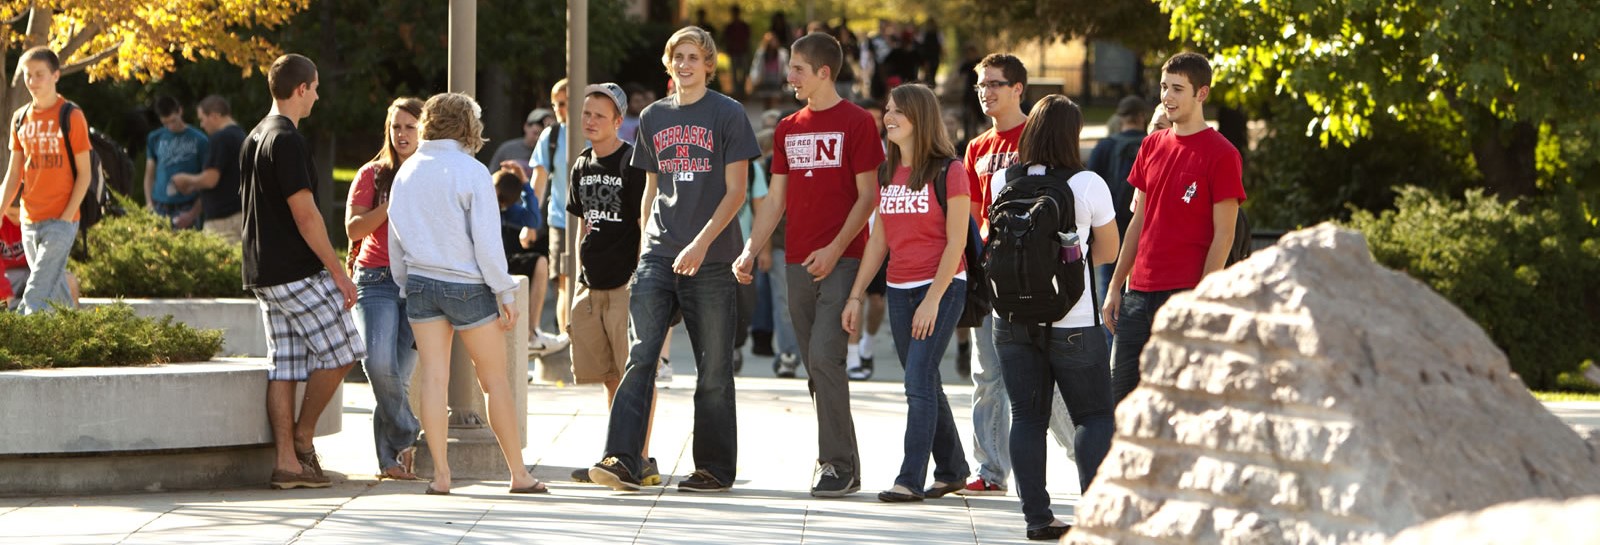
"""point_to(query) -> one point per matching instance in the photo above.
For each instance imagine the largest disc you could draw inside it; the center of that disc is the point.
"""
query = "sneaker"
(651, 476)
(785, 365)
(702, 481)
(859, 373)
(964, 360)
(283, 480)
(581, 475)
(738, 361)
(830, 484)
(544, 344)
(309, 462)
(1049, 532)
(611, 473)
(664, 371)
(981, 487)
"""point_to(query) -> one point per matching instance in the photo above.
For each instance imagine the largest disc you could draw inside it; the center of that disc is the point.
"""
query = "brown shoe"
(283, 480)
(309, 462)
(397, 473)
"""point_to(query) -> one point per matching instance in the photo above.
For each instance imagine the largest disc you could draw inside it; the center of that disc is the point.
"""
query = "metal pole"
(463, 47)
(577, 80)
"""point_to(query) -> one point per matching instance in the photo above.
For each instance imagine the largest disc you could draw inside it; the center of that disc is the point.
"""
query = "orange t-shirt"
(46, 175)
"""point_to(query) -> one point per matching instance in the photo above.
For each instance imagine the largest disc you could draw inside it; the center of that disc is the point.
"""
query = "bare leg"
(319, 390)
(537, 286)
(433, 367)
(280, 414)
(487, 346)
(563, 304)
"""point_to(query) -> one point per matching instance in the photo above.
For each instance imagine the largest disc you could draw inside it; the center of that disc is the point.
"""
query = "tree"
(1137, 24)
(1501, 71)
(138, 39)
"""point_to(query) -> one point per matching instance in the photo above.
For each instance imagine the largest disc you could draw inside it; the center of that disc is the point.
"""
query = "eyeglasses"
(990, 85)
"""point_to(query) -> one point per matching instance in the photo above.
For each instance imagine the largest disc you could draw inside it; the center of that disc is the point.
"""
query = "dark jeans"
(1134, 320)
(930, 427)
(705, 300)
(1073, 360)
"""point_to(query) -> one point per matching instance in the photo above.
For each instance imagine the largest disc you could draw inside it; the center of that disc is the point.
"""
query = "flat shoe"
(938, 490)
(535, 488)
(891, 496)
(431, 492)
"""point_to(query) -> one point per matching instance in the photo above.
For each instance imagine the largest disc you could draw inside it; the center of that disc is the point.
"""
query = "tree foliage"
(1137, 24)
(1502, 68)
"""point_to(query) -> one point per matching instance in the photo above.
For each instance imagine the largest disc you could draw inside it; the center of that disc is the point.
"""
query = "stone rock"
(1309, 395)
(1532, 522)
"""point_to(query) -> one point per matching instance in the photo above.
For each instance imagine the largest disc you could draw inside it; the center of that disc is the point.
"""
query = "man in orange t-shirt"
(50, 192)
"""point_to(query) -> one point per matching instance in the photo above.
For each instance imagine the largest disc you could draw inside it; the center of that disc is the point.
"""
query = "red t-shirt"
(1181, 177)
(915, 226)
(11, 255)
(374, 250)
(821, 153)
(989, 153)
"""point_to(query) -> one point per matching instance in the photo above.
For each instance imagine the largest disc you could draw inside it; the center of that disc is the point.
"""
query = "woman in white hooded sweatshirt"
(445, 254)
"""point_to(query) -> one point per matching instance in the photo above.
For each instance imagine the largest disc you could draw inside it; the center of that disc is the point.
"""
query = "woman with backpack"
(1068, 352)
(926, 282)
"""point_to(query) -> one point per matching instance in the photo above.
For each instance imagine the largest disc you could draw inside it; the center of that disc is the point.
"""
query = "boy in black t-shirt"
(304, 292)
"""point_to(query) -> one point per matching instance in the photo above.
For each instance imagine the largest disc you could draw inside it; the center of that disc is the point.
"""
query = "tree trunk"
(15, 93)
(1506, 157)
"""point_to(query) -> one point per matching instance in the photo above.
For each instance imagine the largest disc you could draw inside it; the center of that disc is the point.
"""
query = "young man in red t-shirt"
(1190, 188)
(830, 150)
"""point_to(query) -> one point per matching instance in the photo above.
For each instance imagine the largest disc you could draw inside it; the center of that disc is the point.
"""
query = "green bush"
(1527, 271)
(106, 336)
(137, 255)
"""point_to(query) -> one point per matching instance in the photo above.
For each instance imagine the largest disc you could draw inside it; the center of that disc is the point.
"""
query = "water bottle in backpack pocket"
(1035, 274)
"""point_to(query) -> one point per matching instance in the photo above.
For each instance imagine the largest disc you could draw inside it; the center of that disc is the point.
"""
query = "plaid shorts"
(308, 328)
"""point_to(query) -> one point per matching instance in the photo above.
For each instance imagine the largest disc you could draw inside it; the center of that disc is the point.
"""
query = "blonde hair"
(453, 116)
(558, 88)
(700, 38)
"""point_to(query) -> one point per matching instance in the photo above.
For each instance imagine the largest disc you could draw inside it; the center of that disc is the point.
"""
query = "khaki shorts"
(230, 228)
(599, 333)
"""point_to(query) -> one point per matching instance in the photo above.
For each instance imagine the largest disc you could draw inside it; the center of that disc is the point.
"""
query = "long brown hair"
(388, 159)
(1050, 137)
(930, 144)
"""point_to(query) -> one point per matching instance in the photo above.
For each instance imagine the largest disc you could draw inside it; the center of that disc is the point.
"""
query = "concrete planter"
(243, 333)
(101, 429)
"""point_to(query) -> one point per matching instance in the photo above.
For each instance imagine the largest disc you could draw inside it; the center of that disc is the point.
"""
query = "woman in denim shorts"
(445, 254)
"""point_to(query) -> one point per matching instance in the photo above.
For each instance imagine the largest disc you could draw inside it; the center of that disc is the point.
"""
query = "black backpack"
(978, 303)
(94, 200)
(1123, 152)
(1241, 240)
(1028, 221)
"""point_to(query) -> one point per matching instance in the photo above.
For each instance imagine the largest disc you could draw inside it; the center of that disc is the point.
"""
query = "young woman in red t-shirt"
(927, 282)
(380, 311)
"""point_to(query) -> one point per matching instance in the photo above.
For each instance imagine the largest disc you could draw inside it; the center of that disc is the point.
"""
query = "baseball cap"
(539, 115)
(612, 90)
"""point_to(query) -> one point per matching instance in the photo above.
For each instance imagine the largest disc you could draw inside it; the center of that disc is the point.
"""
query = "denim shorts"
(465, 305)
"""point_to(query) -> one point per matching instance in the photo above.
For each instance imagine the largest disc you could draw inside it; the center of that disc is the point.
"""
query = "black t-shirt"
(223, 200)
(275, 163)
(606, 194)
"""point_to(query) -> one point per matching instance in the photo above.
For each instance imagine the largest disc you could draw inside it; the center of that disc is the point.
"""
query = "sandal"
(431, 492)
(397, 473)
(408, 460)
(537, 487)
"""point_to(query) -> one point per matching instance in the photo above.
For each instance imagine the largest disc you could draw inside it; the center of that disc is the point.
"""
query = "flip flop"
(537, 487)
(431, 492)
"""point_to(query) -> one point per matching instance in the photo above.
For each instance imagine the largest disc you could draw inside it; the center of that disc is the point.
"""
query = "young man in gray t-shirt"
(695, 147)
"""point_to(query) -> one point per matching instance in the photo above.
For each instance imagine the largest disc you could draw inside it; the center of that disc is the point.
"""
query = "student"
(859, 364)
(218, 182)
(549, 165)
(52, 188)
(380, 310)
(1112, 158)
(927, 283)
(1190, 188)
(1072, 357)
(304, 292)
(445, 254)
(175, 148)
(605, 196)
(695, 147)
(824, 172)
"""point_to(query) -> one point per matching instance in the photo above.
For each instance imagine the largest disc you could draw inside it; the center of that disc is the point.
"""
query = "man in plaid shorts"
(292, 269)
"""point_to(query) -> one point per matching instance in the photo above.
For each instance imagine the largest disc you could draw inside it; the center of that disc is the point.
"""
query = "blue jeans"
(991, 410)
(1102, 283)
(778, 278)
(930, 427)
(391, 359)
(1134, 320)
(705, 300)
(47, 244)
(1074, 362)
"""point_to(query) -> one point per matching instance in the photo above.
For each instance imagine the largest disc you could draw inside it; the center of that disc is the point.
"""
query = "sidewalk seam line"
(364, 489)
(475, 524)
(148, 522)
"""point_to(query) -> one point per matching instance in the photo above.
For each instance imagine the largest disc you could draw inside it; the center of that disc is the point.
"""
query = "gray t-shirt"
(511, 150)
(689, 147)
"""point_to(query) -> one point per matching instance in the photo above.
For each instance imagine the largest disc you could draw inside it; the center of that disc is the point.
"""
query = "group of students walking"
(655, 245)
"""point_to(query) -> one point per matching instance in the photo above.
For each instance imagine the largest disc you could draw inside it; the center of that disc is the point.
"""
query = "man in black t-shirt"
(218, 182)
(292, 269)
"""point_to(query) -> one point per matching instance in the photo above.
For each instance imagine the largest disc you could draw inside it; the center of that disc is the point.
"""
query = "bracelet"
(856, 299)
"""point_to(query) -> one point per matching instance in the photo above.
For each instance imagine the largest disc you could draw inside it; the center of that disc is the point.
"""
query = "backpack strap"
(66, 134)
(550, 149)
(939, 183)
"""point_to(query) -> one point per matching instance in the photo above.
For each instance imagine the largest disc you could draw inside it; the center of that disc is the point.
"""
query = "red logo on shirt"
(898, 199)
(814, 150)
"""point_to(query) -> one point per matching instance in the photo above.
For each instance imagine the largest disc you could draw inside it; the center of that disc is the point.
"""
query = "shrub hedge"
(1527, 271)
(106, 336)
(138, 255)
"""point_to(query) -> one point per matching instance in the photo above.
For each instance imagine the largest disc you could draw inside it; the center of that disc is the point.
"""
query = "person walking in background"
(304, 292)
(380, 310)
(518, 151)
(549, 165)
(1068, 355)
(736, 42)
(172, 149)
(446, 257)
(927, 282)
(768, 71)
(218, 182)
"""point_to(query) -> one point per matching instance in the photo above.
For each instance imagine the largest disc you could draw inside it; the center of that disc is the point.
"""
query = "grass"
(1567, 396)
(344, 175)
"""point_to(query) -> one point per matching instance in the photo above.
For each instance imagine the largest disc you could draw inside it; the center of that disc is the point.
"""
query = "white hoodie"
(444, 221)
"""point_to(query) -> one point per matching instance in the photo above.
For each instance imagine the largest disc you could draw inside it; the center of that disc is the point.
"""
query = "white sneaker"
(544, 344)
(664, 371)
